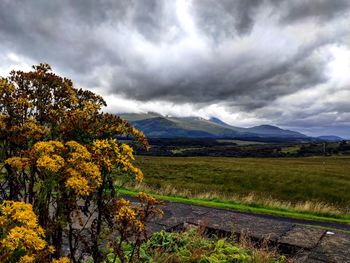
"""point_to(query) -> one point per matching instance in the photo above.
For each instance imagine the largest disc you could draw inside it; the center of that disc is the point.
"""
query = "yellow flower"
(29, 239)
(61, 260)
(78, 151)
(146, 198)
(101, 144)
(2, 221)
(52, 163)
(19, 212)
(79, 184)
(84, 178)
(18, 162)
(138, 174)
(51, 249)
(47, 147)
(6, 209)
(139, 225)
(27, 259)
(125, 213)
(21, 231)
(127, 151)
(32, 129)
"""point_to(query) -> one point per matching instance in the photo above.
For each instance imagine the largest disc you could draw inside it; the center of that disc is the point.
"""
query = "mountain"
(220, 122)
(330, 138)
(131, 117)
(158, 126)
(270, 131)
(170, 127)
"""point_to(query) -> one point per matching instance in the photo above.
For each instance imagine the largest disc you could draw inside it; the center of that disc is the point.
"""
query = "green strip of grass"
(243, 207)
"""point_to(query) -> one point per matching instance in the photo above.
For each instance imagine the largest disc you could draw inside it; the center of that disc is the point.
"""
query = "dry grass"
(315, 207)
(260, 253)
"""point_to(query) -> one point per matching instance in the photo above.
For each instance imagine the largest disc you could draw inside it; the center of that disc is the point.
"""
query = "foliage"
(62, 156)
(191, 246)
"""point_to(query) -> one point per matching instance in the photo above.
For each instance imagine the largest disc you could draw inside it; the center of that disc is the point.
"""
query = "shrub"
(61, 156)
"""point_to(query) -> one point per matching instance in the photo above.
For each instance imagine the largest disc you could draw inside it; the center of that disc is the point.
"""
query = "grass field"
(318, 185)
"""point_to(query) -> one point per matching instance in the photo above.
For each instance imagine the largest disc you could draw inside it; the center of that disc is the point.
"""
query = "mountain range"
(157, 126)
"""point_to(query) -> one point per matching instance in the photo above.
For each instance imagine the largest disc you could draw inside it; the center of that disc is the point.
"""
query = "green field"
(317, 184)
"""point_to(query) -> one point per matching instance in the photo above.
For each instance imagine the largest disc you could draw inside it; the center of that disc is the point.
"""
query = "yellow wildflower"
(79, 151)
(146, 198)
(21, 231)
(128, 151)
(2, 221)
(138, 174)
(61, 260)
(47, 147)
(27, 259)
(51, 249)
(101, 144)
(79, 184)
(19, 163)
(52, 163)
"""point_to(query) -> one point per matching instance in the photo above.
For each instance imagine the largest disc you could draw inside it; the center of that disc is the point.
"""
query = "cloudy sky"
(248, 62)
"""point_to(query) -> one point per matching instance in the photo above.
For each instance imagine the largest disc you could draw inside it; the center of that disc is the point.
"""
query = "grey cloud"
(151, 19)
(322, 10)
(66, 33)
(250, 85)
(222, 19)
(92, 42)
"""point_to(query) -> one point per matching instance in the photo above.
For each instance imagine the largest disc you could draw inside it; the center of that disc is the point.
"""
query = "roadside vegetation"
(192, 245)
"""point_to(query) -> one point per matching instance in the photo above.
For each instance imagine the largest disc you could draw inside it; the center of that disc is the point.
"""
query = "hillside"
(272, 131)
(330, 138)
(157, 126)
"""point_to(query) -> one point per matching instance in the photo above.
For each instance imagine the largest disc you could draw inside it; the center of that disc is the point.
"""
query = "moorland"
(308, 177)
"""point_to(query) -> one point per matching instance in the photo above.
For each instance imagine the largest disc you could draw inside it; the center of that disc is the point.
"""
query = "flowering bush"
(22, 239)
(61, 160)
(130, 225)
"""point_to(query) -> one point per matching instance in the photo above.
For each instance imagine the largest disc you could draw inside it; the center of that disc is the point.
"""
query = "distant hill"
(330, 138)
(270, 131)
(139, 116)
(157, 126)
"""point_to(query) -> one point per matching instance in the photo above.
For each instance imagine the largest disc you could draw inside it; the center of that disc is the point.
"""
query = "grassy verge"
(243, 207)
(315, 185)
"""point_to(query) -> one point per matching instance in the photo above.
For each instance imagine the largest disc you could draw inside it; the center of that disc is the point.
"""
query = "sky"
(247, 62)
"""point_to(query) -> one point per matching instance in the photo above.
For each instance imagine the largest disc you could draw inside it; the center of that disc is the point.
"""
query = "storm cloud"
(249, 62)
